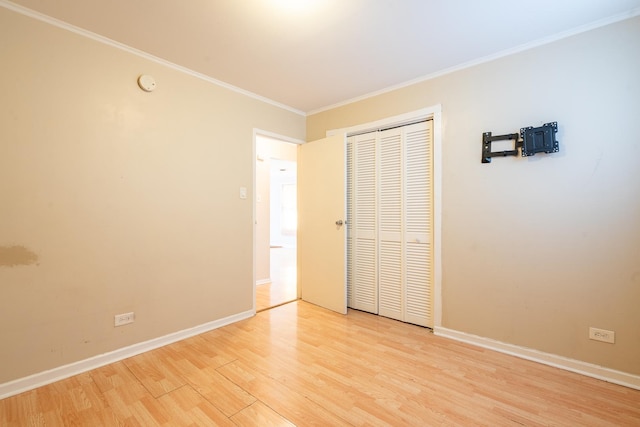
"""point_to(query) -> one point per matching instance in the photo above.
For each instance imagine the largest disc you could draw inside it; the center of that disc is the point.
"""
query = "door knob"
(339, 222)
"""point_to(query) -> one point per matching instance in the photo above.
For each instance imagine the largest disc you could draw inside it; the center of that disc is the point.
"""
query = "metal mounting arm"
(487, 139)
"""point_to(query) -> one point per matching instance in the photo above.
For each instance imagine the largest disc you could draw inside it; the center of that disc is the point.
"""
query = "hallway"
(283, 275)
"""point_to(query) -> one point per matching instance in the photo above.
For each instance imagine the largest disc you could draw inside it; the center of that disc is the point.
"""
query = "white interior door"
(362, 228)
(391, 200)
(390, 215)
(321, 229)
(418, 219)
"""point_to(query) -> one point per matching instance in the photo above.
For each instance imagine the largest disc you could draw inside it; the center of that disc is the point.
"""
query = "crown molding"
(521, 48)
(121, 46)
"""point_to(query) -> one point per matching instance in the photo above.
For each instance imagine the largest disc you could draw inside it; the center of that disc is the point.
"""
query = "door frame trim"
(433, 113)
(261, 132)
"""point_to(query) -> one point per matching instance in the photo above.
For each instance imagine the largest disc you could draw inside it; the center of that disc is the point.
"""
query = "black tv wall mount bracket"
(530, 140)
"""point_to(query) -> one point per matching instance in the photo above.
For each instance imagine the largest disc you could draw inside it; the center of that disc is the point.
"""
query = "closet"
(389, 222)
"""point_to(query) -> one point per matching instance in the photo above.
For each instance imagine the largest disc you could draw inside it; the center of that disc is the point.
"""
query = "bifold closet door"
(418, 219)
(390, 208)
(362, 286)
(404, 225)
(389, 243)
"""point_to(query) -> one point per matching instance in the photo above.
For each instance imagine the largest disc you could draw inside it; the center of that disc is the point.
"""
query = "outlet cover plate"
(123, 319)
(602, 335)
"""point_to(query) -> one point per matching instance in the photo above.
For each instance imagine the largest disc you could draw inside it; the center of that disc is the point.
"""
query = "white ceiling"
(311, 54)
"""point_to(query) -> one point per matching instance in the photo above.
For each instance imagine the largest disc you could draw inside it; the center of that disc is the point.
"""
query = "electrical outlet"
(123, 319)
(602, 335)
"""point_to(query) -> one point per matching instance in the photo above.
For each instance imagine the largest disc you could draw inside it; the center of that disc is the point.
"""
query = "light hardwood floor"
(298, 364)
(283, 287)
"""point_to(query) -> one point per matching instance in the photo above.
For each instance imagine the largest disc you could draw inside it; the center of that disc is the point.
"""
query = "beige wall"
(267, 149)
(537, 250)
(115, 200)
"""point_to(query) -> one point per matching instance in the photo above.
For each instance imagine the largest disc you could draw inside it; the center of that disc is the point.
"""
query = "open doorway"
(276, 222)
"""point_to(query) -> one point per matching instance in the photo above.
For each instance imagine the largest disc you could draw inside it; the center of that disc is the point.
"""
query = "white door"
(390, 243)
(361, 237)
(321, 229)
(418, 218)
(391, 201)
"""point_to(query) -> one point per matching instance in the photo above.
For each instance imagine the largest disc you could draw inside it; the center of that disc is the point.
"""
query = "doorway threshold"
(277, 305)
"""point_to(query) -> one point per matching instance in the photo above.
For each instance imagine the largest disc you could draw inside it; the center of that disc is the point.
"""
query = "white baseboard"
(21, 385)
(577, 366)
(263, 281)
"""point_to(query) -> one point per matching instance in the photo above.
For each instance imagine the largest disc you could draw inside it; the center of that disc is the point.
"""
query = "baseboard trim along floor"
(21, 385)
(572, 365)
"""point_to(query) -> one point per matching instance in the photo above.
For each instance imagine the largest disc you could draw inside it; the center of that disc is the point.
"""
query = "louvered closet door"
(390, 208)
(418, 214)
(389, 244)
(364, 290)
(349, 223)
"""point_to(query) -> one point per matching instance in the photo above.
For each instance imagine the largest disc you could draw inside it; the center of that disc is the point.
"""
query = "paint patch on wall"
(13, 256)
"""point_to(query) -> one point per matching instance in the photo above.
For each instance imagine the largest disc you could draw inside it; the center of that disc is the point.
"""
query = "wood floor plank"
(123, 392)
(260, 415)
(291, 404)
(156, 371)
(225, 395)
(186, 407)
(200, 354)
